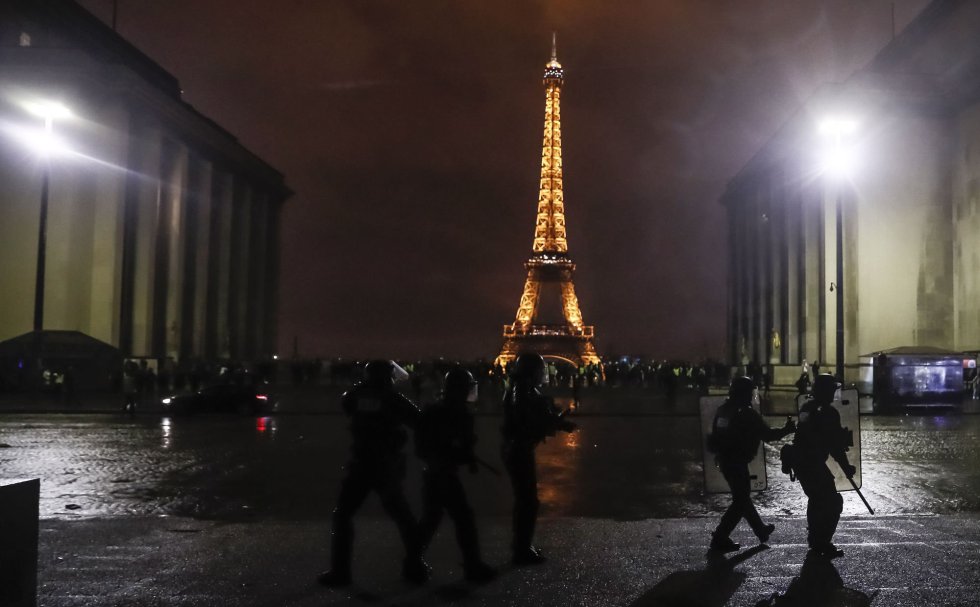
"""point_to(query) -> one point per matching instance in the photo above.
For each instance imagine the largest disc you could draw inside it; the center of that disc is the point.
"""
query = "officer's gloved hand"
(789, 426)
(849, 470)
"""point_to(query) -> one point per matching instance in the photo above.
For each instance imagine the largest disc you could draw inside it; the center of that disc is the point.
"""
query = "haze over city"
(411, 134)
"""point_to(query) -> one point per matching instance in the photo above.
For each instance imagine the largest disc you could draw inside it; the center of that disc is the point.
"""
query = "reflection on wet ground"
(289, 467)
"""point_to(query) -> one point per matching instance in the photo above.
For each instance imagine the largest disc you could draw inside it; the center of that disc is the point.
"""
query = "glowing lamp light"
(46, 143)
(837, 127)
(43, 141)
(838, 159)
(48, 110)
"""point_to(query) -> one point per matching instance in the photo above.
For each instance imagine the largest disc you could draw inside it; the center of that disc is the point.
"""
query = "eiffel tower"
(549, 265)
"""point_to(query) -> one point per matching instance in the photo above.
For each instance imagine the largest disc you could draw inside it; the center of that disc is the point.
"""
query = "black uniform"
(378, 415)
(820, 435)
(737, 431)
(444, 439)
(529, 417)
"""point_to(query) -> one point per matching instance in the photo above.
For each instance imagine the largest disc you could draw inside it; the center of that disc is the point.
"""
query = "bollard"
(18, 543)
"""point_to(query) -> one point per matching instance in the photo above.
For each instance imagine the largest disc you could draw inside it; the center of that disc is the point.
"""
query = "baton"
(496, 472)
(866, 504)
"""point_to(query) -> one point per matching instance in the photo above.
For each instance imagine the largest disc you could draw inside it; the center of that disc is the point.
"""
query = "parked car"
(223, 398)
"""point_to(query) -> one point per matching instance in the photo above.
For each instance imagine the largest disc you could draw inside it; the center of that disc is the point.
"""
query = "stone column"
(172, 248)
(217, 339)
(112, 142)
(143, 201)
(271, 294)
(194, 292)
(238, 275)
(256, 344)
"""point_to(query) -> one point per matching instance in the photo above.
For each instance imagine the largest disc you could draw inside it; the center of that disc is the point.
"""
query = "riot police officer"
(529, 417)
(820, 435)
(444, 439)
(378, 418)
(737, 430)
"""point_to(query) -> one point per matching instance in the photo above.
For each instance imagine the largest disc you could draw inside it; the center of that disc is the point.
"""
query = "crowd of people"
(626, 371)
(381, 419)
(736, 432)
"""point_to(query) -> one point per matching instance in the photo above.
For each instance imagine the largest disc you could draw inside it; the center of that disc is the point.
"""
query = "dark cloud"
(411, 132)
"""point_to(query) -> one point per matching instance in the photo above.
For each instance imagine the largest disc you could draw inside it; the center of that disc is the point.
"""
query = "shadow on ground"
(712, 586)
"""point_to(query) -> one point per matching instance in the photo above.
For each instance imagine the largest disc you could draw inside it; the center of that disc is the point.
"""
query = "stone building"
(910, 209)
(162, 231)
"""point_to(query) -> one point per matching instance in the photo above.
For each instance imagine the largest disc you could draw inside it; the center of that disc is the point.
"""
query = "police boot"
(827, 550)
(416, 570)
(528, 556)
(765, 532)
(334, 578)
(479, 572)
(341, 547)
(723, 544)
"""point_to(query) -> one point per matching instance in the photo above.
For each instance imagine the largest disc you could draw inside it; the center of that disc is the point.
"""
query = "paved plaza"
(894, 561)
(228, 510)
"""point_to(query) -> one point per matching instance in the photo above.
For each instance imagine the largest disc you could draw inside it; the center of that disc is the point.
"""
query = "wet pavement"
(229, 510)
(289, 467)
(895, 561)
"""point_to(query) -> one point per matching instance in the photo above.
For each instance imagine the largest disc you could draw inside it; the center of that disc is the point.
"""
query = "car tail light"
(261, 397)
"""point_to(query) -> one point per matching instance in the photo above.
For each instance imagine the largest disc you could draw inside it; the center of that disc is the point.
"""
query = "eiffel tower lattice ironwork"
(549, 265)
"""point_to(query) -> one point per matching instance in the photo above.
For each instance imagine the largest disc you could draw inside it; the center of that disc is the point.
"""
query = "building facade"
(910, 203)
(162, 230)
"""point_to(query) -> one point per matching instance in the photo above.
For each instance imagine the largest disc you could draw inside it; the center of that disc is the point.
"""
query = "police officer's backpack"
(721, 439)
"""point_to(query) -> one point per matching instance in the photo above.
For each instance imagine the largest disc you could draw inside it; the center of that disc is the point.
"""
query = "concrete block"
(18, 543)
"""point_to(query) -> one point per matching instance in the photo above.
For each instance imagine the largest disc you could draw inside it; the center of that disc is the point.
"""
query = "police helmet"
(529, 368)
(379, 372)
(459, 383)
(824, 387)
(741, 389)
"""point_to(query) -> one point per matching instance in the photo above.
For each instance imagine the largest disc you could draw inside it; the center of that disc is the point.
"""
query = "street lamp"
(45, 144)
(839, 161)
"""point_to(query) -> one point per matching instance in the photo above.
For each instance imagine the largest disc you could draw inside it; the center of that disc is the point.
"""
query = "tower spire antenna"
(554, 46)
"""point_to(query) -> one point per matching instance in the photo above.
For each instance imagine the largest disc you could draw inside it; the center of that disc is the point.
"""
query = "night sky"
(411, 133)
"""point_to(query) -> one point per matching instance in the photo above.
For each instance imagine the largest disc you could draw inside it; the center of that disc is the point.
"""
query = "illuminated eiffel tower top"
(549, 230)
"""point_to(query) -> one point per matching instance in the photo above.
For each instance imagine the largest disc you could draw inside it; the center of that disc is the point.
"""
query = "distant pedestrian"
(736, 432)
(820, 435)
(444, 439)
(529, 417)
(130, 387)
(803, 385)
(378, 418)
(69, 386)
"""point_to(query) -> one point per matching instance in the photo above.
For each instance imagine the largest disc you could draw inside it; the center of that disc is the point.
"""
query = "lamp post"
(46, 144)
(838, 162)
(42, 241)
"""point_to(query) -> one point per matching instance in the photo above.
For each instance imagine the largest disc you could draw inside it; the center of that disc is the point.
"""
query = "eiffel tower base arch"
(550, 342)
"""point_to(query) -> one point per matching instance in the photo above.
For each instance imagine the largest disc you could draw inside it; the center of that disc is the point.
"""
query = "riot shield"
(714, 481)
(850, 420)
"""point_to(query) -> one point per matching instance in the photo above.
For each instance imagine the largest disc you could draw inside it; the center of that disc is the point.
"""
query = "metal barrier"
(18, 543)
